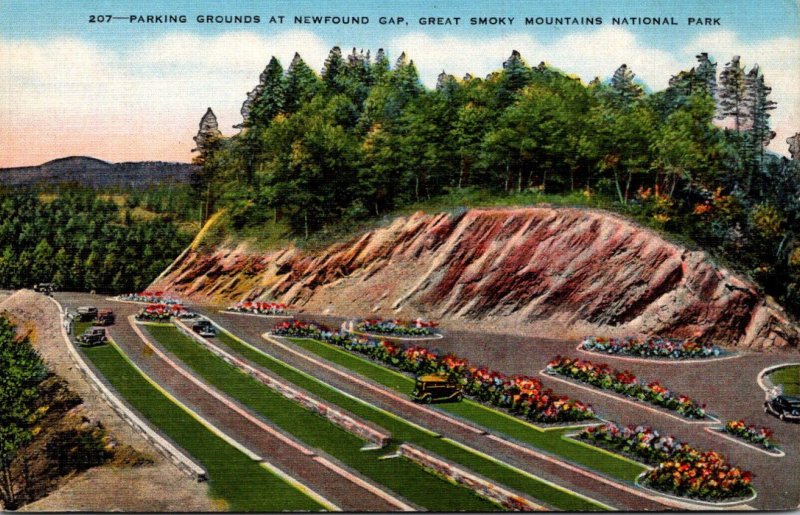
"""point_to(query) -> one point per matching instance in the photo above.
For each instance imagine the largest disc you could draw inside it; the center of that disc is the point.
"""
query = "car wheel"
(428, 399)
(766, 408)
(782, 417)
(459, 397)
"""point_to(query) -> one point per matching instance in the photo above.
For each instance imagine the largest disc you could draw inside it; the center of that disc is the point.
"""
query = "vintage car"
(46, 288)
(105, 317)
(785, 407)
(436, 388)
(87, 313)
(204, 328)
(93, 336)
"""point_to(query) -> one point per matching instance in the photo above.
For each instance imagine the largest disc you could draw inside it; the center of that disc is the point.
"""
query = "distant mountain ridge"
(96, 173)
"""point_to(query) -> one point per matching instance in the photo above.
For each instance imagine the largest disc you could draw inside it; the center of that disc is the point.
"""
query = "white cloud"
(67, 96)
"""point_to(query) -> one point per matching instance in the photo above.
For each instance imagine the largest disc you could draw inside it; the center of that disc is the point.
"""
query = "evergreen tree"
(332, 69)
(623, 88)
(268, 97)
(515, 76)
(706, 73)
(732, 92)
(380, 68)
(301, 84)
(209, 141)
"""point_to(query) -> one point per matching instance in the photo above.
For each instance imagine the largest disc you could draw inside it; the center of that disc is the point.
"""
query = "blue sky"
(123, 91)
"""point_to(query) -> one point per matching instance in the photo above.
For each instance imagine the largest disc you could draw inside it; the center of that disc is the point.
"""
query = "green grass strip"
(400, 476)
(405, 431)
(240, 482)
(550, 441)
(788, 378)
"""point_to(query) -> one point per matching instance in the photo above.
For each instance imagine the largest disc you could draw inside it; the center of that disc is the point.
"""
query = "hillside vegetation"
(319, 155)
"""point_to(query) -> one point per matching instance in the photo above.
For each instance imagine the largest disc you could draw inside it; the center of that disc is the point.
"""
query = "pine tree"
(515, 76)
(208, 140)
(268, 98)
(757, 106)
(624, 90)
(706, 74)
(732, 92)
(301, 84)
(405, 78)
(332, 69)
(380, 68)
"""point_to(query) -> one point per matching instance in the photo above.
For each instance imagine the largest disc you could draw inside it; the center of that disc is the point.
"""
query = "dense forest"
(364, 138)
(86, 239)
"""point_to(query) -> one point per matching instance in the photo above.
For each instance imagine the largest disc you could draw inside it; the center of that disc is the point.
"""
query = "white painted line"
(372, 387)
(719, 431)
(363, 484)
(269, 382)
(658, 361)
(690, 503)
(330, 386)
(257, 315)
(710, 419)
(763, 374)
(215, 394)
(528, 474)
(378, 336)
(173, 453)
(299, 486)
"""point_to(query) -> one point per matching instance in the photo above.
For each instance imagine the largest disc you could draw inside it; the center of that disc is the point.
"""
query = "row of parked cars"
(96, 334)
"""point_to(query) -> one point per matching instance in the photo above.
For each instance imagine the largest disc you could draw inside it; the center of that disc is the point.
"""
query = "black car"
(87, 313)
(93, 336)
(204, 328)
(785, 407)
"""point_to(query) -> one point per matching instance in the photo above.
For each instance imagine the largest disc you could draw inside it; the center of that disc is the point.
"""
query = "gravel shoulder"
(157, 487)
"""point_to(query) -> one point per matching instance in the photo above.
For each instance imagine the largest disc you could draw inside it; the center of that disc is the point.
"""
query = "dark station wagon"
(436, 388)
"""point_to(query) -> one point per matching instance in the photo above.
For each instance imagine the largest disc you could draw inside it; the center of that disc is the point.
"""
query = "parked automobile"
(204, 328)
(87, 313)
(785, 407)
(93, 336)
(436, 388)
(46, 288)
(105, 317)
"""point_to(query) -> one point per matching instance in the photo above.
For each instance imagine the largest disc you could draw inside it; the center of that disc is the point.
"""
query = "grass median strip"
(404, 431)
(552, 441)
(401, 476)
(233, 477)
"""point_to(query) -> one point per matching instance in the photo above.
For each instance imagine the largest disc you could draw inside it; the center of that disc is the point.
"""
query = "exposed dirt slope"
(135, 477)
(555, 271)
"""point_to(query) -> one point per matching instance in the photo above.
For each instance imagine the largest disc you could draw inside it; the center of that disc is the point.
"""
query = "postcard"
(402, 256)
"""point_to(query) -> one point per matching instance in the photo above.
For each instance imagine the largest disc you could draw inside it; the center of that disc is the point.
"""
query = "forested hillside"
(364, 138)
(84, 239)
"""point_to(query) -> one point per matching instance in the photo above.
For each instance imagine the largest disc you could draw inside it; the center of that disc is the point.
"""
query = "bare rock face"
(554, 272)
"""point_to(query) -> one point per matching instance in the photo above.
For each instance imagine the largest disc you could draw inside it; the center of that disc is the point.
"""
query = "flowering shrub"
(652, 347)
(153, 297)
(625, 383)
(259, 308)
(679, 468)
(758, 436)
(163, 312)
(520, 395)
(417, 327)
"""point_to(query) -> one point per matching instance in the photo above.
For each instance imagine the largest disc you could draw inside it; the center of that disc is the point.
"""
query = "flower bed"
(653, 347)
(155, 297)
(417, 327)
(624, 382)
(163, 312)
(679, 468)
(522, 396)
(750, 433)
(259, 308)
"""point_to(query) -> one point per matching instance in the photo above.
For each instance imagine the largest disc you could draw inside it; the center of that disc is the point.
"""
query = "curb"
(181, 460)
(719, 431)
(710, 419)
(334, 415)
